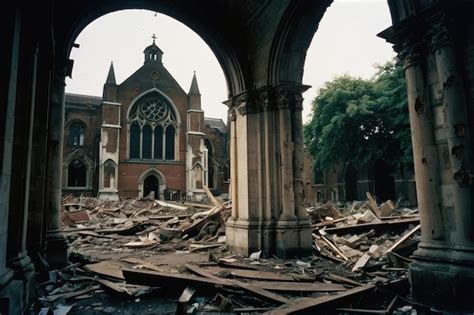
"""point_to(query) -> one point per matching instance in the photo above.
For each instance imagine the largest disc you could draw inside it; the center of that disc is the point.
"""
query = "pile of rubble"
(149, 256)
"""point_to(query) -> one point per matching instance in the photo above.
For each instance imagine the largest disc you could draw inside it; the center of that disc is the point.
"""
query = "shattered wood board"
(106, 268)
(262, 275)
(246, 286)
(311, 305)
(380, 227)
(298, 287)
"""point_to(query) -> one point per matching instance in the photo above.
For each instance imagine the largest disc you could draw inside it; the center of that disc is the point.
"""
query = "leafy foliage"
(356, 120)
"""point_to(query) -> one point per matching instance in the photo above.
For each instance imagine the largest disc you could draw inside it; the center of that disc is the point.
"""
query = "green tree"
(356, 120)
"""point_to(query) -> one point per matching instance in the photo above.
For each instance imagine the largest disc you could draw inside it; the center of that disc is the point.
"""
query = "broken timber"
(377, 227)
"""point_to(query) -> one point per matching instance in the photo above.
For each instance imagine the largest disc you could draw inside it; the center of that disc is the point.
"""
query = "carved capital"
(439, 34)
(411, 53)
(232, 115)
(289, 96)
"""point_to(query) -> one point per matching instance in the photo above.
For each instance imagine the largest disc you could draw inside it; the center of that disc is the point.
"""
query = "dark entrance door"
(350, 181)
(151, 184)
(384, 182)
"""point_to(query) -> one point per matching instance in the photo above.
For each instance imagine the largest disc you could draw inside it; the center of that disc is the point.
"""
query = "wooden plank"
(404, 238)
(68, 295)
(170, 205)
(143, 263)
(298, 287)
(194, 228)
(361, 262)
(334, 247)
(237, 265)
(378, 227)
(186, 296)
(373, 204)
(121, 287)
(168, 279)
(342, 279)
(359, 311)
(211, 196)
(106, 268)
(307, 305)
(249, 287)
(261, 275)
(263, 293)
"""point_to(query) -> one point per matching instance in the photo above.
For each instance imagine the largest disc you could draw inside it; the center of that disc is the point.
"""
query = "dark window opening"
(158, 154)
(135, 141)
(147, 139)
(350, 182)
(170, 134)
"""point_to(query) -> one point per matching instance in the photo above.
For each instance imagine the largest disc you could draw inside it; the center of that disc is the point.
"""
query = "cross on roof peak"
(154, 37)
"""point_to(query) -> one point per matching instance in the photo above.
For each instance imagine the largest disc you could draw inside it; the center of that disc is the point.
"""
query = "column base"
(243, 236)
(444, 283)
(285, 238)
(56, 249)
(108, 195)
(24, 270)
(293, 238)
(11, 294)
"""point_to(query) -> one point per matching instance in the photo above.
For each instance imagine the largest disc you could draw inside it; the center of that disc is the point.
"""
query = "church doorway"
(350, 182)
(151, 184)
(384, 182)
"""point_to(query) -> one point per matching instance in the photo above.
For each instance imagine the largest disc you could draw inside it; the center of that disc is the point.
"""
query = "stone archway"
(152, 180)
(151, 187)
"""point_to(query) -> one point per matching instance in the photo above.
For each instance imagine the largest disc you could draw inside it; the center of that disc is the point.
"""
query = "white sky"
(345, 42)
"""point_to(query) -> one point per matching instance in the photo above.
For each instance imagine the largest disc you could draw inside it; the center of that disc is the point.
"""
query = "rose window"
(154, 109)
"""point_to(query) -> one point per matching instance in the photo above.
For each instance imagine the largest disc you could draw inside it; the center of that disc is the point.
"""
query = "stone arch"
(110, 174)
(78, 155)
(220, 45)
(161, 180)
(292, 39)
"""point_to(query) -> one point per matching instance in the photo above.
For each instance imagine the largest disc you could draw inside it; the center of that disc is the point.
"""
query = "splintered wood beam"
(246, 286)
(404, 238)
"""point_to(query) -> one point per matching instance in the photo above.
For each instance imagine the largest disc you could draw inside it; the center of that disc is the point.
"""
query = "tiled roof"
(216, 123)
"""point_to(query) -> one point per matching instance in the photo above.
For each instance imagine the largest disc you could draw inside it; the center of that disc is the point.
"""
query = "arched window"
(109, 174)
(157, 138)
(76, 174)
(147, 140)
(170, 134)
(76, 134)
(158, 154)
(135, 140)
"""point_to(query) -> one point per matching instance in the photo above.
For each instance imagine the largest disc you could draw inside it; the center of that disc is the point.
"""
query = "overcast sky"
(345, 42)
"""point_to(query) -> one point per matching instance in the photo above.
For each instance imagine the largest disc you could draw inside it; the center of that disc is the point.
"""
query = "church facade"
(145, 136)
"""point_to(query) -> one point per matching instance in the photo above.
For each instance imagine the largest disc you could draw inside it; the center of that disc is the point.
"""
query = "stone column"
(266, 150)
(18, 258)
(425, 152)
(56, 245)
(443, 261)
(459, 142)
(11, 291)
(293, 230)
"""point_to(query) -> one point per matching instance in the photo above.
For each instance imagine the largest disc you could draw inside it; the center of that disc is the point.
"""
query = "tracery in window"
(76, 134)
(153, 128)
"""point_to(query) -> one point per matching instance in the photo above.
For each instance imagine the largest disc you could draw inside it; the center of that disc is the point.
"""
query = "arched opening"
(77, 174)
(151, 187)
(170, 142)
(109, 174)
(350, 182)
(384, 182)
(158, 154)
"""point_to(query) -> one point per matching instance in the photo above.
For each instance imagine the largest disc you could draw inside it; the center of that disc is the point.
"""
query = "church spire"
(153, 53)
(111, 75)
(194, 89)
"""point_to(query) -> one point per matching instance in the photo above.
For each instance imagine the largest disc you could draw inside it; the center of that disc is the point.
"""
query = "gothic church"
(145, 136)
